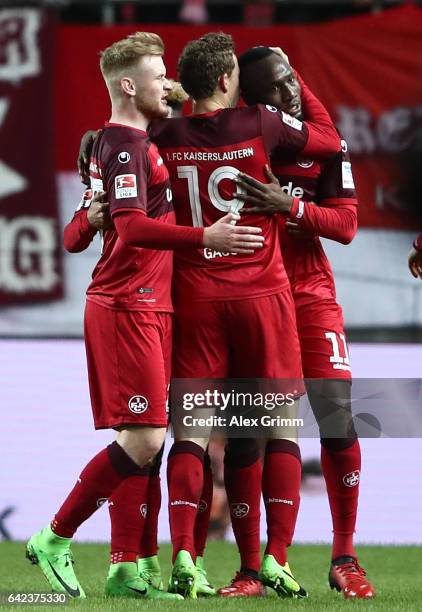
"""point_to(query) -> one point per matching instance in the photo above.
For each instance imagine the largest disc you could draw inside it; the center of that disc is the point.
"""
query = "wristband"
(298, 208)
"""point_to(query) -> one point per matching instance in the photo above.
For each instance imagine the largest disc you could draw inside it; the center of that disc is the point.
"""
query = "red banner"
(367, 70)
(30, 262)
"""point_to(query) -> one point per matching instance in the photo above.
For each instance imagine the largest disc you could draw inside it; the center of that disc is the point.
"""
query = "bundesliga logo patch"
(125, 186)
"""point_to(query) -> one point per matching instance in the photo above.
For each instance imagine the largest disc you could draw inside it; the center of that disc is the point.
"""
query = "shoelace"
(352, 571)
(68, 558)
(243, 578)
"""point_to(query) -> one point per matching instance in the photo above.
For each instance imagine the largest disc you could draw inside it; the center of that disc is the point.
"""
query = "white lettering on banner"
(10, 181)
(19, 52)
(394, 131)
(27, 254)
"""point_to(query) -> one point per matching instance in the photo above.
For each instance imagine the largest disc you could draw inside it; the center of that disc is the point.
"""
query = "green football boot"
(184, 577)
(149, 570)
(280, 578)
(204, 588)
(53, 556)
(123, 580)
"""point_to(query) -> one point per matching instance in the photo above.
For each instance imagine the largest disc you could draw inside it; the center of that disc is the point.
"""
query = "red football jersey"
(328, 184)
(204, 153)
(128, 166)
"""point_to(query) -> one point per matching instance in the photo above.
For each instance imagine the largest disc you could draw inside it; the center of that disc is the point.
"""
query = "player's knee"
(241, 452)
(331, 404)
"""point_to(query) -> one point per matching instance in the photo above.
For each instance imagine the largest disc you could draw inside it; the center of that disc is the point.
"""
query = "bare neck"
(208, 105)
(130, 116)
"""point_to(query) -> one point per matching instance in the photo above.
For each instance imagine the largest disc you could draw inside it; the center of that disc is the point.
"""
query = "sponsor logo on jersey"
(270, 108)
(295, 192)
(202, 505)
(347, 176)
(352, 478)
(143, 509)
(289, 120)
(239, 509)
(101, 501)
(138, 404)
(125, 186)
(304, 163)
(124, 157)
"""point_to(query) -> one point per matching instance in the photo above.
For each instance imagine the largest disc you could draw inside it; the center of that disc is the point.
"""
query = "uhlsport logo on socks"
(138, 404)
(202, 505)
(239, 509)
(352, 478)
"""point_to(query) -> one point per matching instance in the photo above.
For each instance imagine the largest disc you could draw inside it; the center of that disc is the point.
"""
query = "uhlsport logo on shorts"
(239, 509)
(101, 501)
(143, 509)
(352, 478)
(138, 404)
(202, 505)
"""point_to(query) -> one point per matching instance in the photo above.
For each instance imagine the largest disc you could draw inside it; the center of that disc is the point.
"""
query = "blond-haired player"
(128, 320)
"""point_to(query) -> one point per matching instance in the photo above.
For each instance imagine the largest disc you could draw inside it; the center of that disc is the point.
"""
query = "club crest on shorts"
(239, 509)
(138, 404)
(202, 505)
(352, 478)
(143, 509)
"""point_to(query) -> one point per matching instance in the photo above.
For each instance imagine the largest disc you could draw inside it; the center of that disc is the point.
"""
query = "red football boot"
(243, 585)
(347, 576)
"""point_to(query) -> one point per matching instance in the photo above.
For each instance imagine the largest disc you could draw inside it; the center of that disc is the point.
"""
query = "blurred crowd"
(248, 12)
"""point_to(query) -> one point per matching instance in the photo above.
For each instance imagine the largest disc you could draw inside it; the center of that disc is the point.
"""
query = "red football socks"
(149, 546)
(100, 477)
(204, 510)
(242, 477)
(128, 507)
(185, 477)
(281, 492)
(341, 469)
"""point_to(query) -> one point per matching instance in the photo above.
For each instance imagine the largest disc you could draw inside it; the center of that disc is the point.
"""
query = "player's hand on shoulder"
(99, 212)
(415, 263)
(227, 237)
(263, 198)
(85, 149)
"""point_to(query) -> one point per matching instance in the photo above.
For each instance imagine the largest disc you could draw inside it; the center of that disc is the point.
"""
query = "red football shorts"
(129, 366)
(323, 341)
(254, 338)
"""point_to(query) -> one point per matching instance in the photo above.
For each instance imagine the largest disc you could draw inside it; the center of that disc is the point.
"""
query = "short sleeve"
(126, 177)
(282, 131)
(336, 181)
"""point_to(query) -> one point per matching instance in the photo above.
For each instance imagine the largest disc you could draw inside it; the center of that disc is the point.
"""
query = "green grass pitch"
(395, 572)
